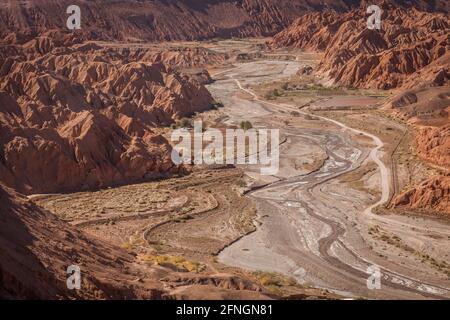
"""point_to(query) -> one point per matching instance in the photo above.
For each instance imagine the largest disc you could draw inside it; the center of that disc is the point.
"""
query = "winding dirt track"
(308, 233)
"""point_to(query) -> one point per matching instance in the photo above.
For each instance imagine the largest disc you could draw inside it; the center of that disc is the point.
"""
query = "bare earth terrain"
(319, 225)
(87, 176)
(315, 220)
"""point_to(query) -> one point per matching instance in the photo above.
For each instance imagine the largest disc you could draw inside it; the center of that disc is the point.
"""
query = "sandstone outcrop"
(412, 49)
(429, 110)
(160, 20)
(433, 144)
(422, 106)
(76, 115)
(411, 53)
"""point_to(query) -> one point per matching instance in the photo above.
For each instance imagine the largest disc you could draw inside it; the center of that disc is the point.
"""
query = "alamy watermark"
(74, 277)
(374, 21)
(233, 146)
(374, 279)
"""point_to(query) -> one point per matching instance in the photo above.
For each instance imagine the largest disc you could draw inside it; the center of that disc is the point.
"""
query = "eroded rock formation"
(76, 115)
(37, 249)
(433, 144)
(161, 20)
(410, 53)
(432, 194)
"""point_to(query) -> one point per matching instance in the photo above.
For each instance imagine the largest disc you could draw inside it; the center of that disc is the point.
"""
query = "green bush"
(246, 125)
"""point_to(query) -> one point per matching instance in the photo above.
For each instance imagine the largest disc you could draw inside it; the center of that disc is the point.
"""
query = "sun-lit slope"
(411, 54)
(412, 48)
(161, 20)
(431, 194)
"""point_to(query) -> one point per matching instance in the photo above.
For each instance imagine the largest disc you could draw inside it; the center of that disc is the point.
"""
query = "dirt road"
(312, 226)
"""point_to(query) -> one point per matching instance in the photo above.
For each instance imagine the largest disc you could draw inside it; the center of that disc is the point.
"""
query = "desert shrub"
(246, 125)
(132, 244)
(178, 261)
(241, 183)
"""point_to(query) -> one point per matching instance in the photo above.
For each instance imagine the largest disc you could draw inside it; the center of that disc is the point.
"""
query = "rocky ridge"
(77, 115)
(412, 49)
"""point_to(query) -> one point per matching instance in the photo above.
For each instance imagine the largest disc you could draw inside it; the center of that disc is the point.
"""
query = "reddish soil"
(432, 194)
(77, 115)
(410, 50)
